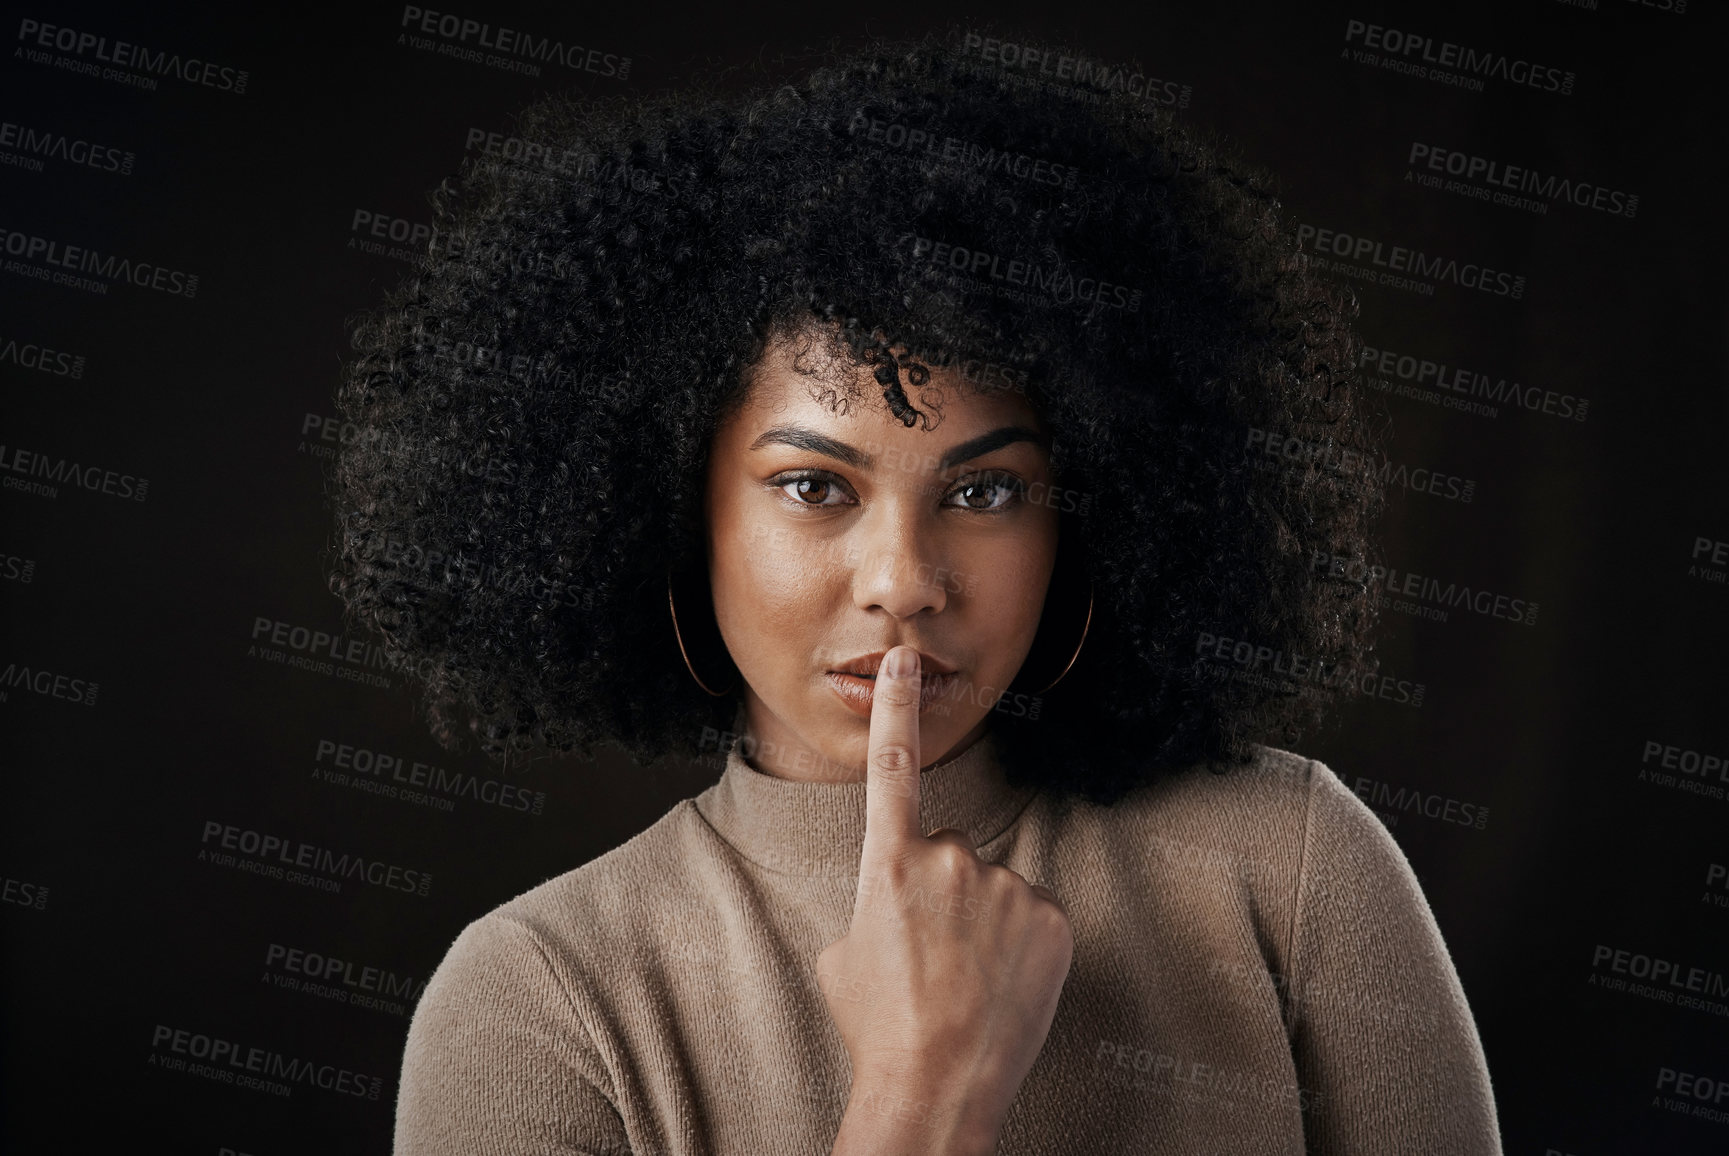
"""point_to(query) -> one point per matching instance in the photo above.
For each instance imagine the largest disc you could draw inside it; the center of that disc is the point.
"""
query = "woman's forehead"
(810, 387)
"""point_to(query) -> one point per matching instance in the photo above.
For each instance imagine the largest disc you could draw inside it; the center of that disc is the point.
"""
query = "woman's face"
(833, 537)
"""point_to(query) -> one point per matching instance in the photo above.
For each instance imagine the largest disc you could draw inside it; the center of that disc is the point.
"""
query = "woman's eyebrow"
(802, 438)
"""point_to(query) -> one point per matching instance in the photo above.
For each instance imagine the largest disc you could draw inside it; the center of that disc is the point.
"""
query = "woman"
(718, 408)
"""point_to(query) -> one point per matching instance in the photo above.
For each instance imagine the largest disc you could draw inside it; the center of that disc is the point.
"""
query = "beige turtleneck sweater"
(1255, 971)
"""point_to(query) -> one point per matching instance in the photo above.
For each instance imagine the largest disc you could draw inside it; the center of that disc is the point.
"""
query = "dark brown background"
(113, 926)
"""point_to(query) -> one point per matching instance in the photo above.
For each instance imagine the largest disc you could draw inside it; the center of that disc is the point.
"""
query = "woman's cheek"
(788, 574)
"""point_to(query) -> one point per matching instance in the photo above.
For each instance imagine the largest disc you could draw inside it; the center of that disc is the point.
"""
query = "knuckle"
(1006, 882)
(894, 757)
(899, 866)
(954, 859)
(895, 760)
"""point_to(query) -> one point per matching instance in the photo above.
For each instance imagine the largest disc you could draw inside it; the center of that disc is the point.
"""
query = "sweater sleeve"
(498, 1059)
(1383, 1038)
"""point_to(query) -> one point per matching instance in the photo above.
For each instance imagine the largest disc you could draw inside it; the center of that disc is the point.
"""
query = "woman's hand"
(945, 985)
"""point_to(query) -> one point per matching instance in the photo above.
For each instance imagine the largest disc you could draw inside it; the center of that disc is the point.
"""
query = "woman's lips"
(857, 691)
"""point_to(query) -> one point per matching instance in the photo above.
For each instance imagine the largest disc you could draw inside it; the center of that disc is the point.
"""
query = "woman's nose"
(897, 564)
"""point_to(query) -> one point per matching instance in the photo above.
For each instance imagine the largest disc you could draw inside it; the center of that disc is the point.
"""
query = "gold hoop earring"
(1079, 644)
(681, 650)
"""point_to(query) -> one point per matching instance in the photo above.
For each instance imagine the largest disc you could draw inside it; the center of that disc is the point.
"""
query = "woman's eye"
(981, 495)
(983, 489)
(810, 491)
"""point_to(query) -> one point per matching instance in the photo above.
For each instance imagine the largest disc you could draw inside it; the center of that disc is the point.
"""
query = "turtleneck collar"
(817, 828)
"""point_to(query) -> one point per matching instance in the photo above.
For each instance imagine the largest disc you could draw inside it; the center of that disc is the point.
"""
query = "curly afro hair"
(538, 398)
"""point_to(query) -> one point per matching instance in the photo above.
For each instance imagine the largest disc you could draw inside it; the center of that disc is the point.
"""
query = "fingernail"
(903, 661)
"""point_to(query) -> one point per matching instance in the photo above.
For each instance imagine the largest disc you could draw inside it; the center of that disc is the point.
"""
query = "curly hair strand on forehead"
(834, 367)
(596, 296)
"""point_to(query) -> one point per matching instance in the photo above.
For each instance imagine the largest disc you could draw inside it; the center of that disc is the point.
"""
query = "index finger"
(892, 764)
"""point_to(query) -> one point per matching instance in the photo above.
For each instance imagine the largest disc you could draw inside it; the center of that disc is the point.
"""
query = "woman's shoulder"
(1288, 830)
(507, 1017)
(1271, 792)
(628, 890)
(1252, 824)
(652, 867)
